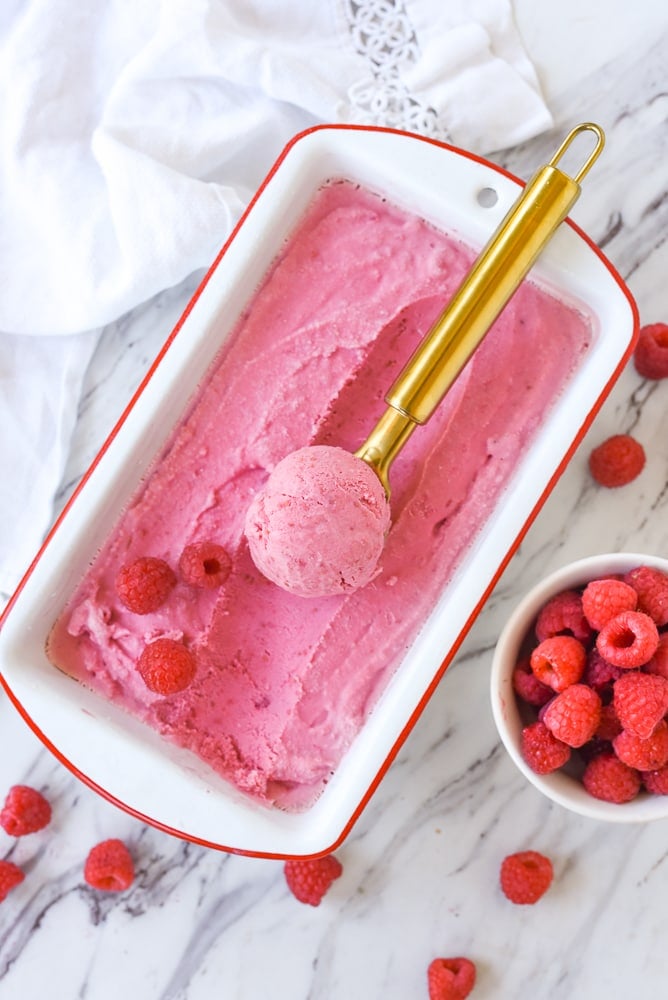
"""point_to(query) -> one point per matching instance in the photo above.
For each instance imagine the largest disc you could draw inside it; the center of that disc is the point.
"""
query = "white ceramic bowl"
(124, 760)
(567, 791)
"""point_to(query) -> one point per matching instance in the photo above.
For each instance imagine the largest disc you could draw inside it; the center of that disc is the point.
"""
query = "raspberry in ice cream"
(282, 685)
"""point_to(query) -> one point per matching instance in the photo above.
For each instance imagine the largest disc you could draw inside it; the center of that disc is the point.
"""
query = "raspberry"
(542, 751)
(599, 674)
(563, 614)
(628, 640)
(527, 686)
(310, 878)
(559, 661)
(640, 701)
(651, 354)
(10, 876)
(574, 715)
(109, 866)
(145, 584)
(594, 747)
(603, 599)
(617, 461)
(543, 708)
(525, 876)
(651, 585)
(205, 564)
(25, 811)
(608, 778)
(656, 782)
(166, 666)
(609, 725)
(648, 754)
(450, 978)
(659, 662)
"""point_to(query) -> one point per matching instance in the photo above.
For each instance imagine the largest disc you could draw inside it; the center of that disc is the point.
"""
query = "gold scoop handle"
(502, 264)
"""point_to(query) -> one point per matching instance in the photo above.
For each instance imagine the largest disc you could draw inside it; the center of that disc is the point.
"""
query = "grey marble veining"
(421, 865)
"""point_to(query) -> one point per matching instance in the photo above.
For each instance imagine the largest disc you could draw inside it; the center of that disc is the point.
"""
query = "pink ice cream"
(283, 684)
(318, 527)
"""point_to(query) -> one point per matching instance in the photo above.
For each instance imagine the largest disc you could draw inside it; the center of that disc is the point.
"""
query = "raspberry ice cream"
(283, 683)
(318, 527)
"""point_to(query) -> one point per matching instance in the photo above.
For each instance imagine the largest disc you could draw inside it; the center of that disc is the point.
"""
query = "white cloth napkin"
(133, 135)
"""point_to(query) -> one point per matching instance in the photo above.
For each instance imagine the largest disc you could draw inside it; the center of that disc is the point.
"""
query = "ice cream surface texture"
(283, 683)
(318, 527)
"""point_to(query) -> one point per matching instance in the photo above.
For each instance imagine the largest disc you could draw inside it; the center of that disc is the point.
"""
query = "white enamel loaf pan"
(128, 763)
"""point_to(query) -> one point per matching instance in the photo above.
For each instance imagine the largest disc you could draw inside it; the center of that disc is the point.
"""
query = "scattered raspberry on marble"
(25, 811)
(542, 751)
(628, 640)
(608, 778)
(166, 666)
(573, 716)
(617, 461)
(10, 876)
(309, 879)
(643, 754)
(144, 585)
(651, 586)
(603, 599)
(109, 866)
(563, 615)
(205, 564)
(525, 876)
(640, 701)
(651, 354)
(559, 661)
(450, 978)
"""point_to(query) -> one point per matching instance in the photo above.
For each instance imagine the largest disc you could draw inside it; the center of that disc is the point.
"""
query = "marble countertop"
(421, 865)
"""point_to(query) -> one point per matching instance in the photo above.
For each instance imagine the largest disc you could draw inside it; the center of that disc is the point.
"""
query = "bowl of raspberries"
(579, 687)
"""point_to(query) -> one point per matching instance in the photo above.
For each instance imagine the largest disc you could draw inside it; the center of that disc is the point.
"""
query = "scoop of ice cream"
(318, 527)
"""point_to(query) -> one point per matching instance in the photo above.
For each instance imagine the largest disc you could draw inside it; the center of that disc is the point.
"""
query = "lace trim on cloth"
(382, 34)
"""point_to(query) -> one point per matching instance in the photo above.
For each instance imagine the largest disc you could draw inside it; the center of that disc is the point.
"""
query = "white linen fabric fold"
(133, 136)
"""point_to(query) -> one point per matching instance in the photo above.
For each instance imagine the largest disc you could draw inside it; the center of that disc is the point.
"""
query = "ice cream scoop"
(318, 526)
